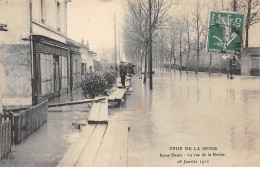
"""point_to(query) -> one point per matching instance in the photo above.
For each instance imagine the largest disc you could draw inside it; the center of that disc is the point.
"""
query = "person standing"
(122, 73)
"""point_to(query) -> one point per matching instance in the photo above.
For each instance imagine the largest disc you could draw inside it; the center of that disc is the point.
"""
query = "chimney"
(82, 41)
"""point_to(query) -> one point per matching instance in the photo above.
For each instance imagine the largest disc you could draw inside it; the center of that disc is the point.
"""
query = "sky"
(93, 20)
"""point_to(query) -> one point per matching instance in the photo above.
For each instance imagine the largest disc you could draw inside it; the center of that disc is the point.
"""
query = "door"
(56, 73)
(255, 66)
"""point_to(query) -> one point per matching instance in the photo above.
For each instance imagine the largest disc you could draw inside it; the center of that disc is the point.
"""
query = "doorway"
(56, 77)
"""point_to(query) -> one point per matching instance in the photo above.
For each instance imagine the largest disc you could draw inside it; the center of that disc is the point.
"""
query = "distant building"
(104, 63)
(88, 58)
(75, 63)
(250, 64)
(35, 56)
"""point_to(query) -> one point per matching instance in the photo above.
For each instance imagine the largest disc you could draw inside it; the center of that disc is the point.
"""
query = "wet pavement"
(182, 110)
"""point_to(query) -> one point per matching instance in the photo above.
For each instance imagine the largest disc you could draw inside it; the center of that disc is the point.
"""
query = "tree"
(180, 32)
(188, 41)
(173, 39)
(199, 27)
(137, 20)
(251, 8)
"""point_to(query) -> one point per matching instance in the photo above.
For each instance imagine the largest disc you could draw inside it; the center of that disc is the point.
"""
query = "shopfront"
(50, 63)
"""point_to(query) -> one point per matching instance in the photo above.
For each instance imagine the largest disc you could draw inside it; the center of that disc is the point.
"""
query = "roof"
(252, 51)
(93, 53)
(73, 42)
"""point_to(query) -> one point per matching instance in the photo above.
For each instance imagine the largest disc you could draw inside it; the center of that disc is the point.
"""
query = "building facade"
(250, 64)
(35, 55)
(88, 58)
(75, 64)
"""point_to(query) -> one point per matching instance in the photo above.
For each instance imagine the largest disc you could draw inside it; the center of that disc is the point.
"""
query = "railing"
(28, 121)
(5, 137)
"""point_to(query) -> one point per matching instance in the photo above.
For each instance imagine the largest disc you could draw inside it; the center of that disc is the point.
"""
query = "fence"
(28, 121)
(5, 138)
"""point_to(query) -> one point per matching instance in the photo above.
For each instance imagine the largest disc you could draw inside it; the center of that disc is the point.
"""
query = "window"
(42, 12)
(58, 17)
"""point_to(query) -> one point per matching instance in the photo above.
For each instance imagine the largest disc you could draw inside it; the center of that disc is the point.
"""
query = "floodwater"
(183, 110)
(189, 110)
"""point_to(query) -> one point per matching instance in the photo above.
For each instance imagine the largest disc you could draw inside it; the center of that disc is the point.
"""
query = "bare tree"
(173, 40)
(137, 20)
(200, 28)
(252, 9)
(180, 32)
(187, 31)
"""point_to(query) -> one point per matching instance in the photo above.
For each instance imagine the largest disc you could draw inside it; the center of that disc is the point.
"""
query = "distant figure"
(90, 68)
(111, 67)
(122, 73)
(230, 67)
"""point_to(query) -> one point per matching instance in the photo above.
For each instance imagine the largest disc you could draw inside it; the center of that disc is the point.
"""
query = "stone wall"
(16, 72)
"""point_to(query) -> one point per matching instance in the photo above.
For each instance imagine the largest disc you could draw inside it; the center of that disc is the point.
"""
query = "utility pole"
(231, 58)
(115, 42)
(150, 45)
(119, 54)
(3, 27)
(1, 108)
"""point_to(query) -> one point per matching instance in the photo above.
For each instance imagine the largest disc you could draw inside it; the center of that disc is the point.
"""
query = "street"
(182, 110)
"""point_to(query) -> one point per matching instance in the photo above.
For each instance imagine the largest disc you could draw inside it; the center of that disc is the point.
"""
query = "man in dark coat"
(122, 73)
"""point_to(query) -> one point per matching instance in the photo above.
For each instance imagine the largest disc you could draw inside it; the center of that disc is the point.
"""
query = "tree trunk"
(188, 61)
(210, 61)
(145, 63)
(141, 65)
(247, 31)
(248, 21)
(180, 56)
(174, 58)
(198, 39)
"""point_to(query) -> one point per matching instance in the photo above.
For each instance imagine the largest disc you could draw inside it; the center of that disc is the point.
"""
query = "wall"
(246, 59)
(15, 53)
(50, 14)
(87, 57)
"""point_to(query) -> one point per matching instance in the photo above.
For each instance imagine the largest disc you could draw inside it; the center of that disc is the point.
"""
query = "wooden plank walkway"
(76, 102)
(119, 84)
(99, 145)
(99, 113)
(117, 96)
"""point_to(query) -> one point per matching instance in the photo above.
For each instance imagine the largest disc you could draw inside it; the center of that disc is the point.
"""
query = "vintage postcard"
(130, 83)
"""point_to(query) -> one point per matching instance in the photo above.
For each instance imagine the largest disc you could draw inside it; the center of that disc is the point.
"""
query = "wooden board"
(103, 111)
(130, 89)
(113, 95)
(88, 155)
(99, 113)
(94, 113)
(72, 155)
(75, 102)
(120, 94)
(119, 154)
(104, 154)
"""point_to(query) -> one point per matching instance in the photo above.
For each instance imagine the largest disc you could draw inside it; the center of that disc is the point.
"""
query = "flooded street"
(182, 110)
(188, 110)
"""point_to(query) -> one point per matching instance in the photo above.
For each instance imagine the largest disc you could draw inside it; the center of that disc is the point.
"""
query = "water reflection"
(199, 110)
